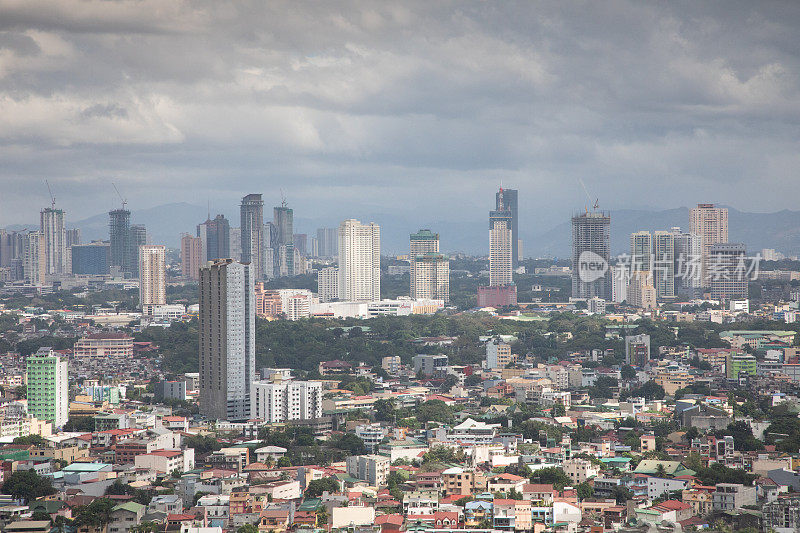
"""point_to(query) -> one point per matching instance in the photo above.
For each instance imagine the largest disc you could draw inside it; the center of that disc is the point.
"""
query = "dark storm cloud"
(346, 104)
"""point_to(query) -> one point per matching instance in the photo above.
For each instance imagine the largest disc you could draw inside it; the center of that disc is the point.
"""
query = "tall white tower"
(359, 261)
(152, 277)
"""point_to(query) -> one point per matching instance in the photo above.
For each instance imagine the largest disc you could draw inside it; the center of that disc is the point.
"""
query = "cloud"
(345, 105)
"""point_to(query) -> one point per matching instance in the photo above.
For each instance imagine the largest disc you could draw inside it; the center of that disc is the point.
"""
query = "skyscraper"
(506, 200)
(328, 284)
(152, 277)
(430, 270)
(48, 387)
(711, 223)
(283, 242)
(359, 261)
(501, 246)
(664, 264)
(591, 240)
(227, 340)
(55, 241)
(34, 260)
(138, 236)
(252, 237)
(727, 271)
(119, 232)
(191, 252)
(90, 259)
(688, 262)
(215, 237)
(328, 242)
(641, 251)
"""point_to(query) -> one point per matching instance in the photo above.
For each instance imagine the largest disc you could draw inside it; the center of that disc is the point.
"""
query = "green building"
(737, 364)
(48, 388)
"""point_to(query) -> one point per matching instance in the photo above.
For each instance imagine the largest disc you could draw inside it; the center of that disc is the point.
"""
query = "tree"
(79, 423)
(559, 410)
(316, 487)
(97, 513)
(434, 411)
(584, 490)
(28, 485)
(384, 410)
(33, 440)
(247, 528)
(551, 475)
(628, 373)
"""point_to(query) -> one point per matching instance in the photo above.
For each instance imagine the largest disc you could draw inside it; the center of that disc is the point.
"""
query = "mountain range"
(779, 230)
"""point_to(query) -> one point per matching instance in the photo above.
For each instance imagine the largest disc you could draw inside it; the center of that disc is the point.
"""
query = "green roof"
(129, 506)
(310, 504)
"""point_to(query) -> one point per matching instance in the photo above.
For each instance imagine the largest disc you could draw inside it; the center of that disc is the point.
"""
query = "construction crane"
(596, 203)
(52, 198)
(124, 201)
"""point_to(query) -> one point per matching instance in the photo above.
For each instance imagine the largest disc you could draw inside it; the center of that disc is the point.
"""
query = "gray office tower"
(119, 233)
(90, 259)
(328, 242)
(283, 243)
(591, 243)
(252, 228)
(506, 200)
(12, 247)
(216, 238)
(138, 238)
(227, 340)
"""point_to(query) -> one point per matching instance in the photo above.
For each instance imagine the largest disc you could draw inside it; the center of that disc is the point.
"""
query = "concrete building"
(664, 264)
(328, 242)
(91, 259)
(104, 345)
(55, 240)
(641, 251)
(359, 261)
(711, 224)
(374, 469)
(152, 277)
(501, 264)
(282, 241)
(138, 236)
(637, 350)
(295, 303)
(498, 354)
(391, 364)
(641, 292)
(227, 340)
(579, 470)
(252, 234)
(430, 365)
(35, 261)
(507, 200)
(119, 232)
(732, 497)
(286, 401)
(726, 271)
(430, 270)
(191, 256)
(688, 261)
(591, 241)
(48, 387)
(328, 284)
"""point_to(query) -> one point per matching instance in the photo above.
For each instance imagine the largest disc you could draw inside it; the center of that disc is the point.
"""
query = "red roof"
(166, 453)
(674, 505)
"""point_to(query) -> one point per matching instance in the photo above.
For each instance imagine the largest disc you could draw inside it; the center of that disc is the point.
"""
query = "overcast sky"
(398, 106)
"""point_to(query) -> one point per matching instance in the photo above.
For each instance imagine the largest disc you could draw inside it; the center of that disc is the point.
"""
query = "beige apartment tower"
(191, 253)
(359, 261)
(711, 223)
(152, 277)
(430, 270)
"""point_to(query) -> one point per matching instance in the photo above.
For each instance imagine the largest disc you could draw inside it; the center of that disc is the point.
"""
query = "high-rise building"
(191, 253)
(313, 247)
(500, 248)
(664, 264)
(91, 259)
(283, 240)
(301, 243)
(119, 232)
(215, 237)
(48, 387)
(138, 239)
(641, 292)
(688, 262)
(328, 284)
(152, 277)
(727, 271)
(227, 340)
(506, 200)
(641, 251)
(711, 223)
(34, 261)
(236, 244)
(359, 261)
(620, 277)
(328, 242)
(591, 242)
(55, 241)
(73, 237)
(430, 270)
(252, 228)
(12, 247)
(276, 403)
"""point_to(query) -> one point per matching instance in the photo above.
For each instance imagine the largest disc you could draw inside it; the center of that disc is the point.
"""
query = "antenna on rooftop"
(124, 201)
(52, 198)
(283, 198)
